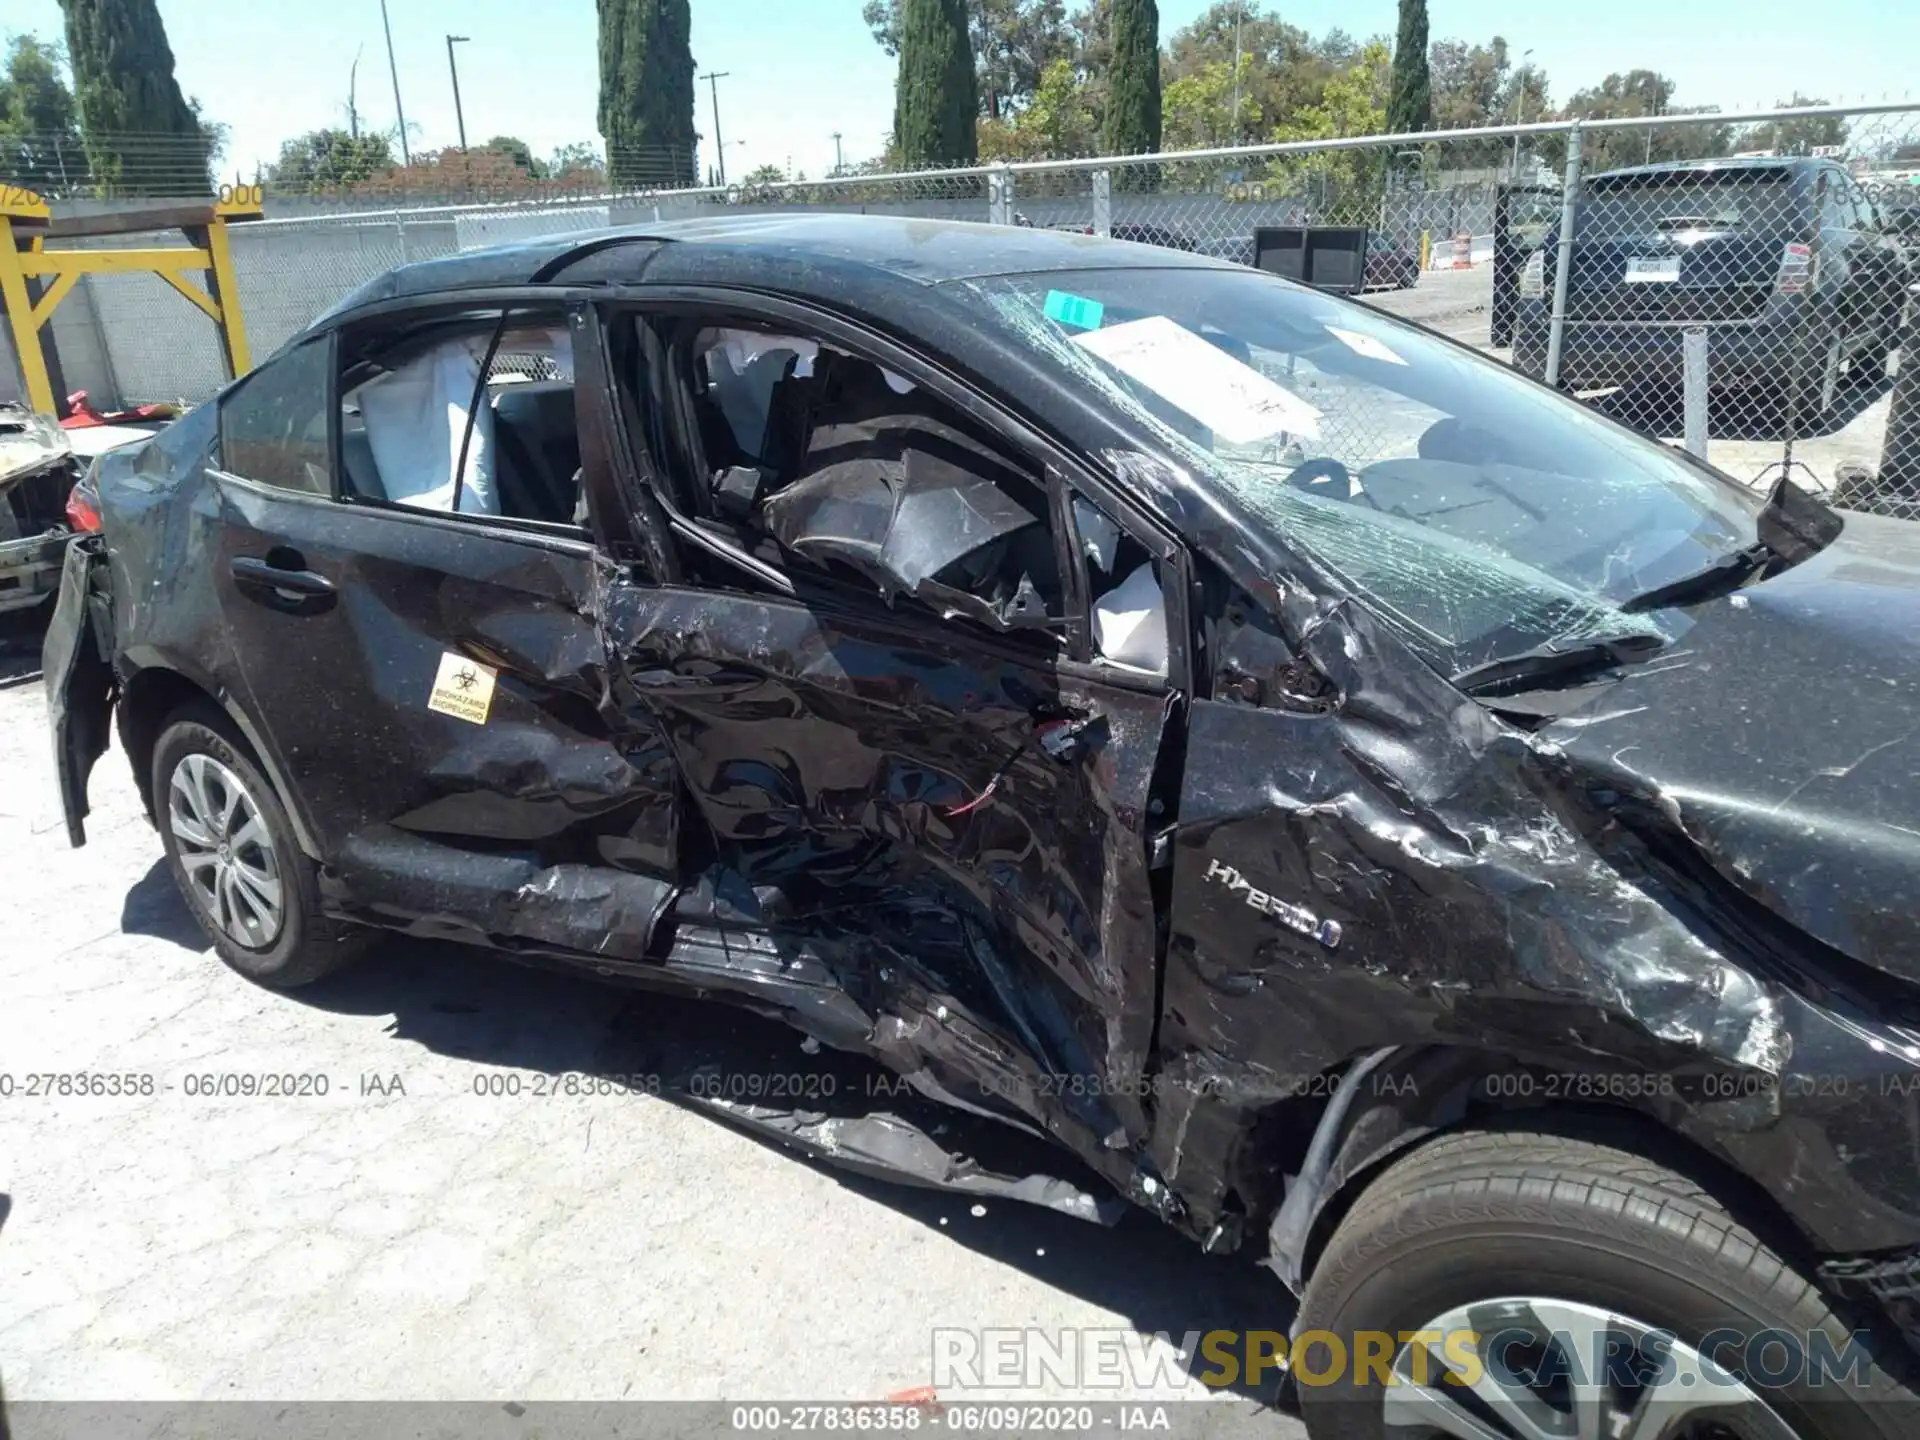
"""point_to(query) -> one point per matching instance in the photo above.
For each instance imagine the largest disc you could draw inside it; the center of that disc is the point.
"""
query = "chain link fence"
(1739, 284)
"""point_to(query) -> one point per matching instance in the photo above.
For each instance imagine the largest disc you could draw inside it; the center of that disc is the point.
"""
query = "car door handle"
(286, 587)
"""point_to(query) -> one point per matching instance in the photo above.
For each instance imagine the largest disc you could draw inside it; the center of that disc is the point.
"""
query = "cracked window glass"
(1477, 510)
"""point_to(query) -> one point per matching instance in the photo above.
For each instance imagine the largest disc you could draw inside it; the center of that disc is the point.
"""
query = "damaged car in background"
(37, 471)
(1340, 795)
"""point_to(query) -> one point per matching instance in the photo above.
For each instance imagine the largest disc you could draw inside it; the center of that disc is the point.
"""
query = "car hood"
(1781, 733)
(29, 444)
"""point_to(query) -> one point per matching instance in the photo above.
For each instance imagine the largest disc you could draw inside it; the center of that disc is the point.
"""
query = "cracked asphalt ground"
(420, 1240)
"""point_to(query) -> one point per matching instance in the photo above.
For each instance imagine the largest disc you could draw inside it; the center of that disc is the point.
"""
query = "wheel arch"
(1411, 1097)
(153, 693)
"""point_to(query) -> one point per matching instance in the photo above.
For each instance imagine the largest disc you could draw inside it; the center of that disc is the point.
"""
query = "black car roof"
(1707, 167)
(734, 247)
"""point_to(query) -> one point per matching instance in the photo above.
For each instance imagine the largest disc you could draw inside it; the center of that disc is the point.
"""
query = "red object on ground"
(85, 417)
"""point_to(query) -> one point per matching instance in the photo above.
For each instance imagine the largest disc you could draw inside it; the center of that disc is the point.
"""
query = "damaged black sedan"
(1351, 800)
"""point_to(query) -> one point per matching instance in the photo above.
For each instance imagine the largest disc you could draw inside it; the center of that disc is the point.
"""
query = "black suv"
(1785, 262)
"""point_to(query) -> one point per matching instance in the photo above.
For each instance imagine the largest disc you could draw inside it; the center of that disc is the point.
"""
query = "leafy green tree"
(40, 144)
(934, 100)
(1467, 83)
(519, 152)
(646, 91)
(1410, 107)
(1014, 41)
(1797, 137)
(768, 174)
(142, 135)
(1637, 92)
(1133, 82)
(1283, 69)
(1057, 123)
(1341, 186)
(325, 160)
(576, 161)
(1199, 107)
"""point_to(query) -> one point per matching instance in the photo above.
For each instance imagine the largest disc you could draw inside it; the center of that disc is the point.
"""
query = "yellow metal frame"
(26, 257)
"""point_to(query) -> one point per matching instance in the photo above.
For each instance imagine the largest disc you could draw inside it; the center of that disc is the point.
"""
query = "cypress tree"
(1133, 83)
(935, 100)
(646, 91)
(1410, 101)
(141, 133)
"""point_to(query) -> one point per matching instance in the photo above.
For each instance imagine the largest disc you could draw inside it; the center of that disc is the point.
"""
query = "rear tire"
(1569, 1224)
(233, 856)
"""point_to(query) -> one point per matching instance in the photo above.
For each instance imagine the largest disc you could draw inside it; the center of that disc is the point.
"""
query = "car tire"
(1572, 1226)
(232, 853)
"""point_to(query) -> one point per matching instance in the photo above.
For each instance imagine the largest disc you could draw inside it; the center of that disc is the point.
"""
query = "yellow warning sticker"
(463, 688)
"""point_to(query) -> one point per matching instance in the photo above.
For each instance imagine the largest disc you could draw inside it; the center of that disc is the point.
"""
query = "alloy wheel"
(1537, 1369)
(226, 851)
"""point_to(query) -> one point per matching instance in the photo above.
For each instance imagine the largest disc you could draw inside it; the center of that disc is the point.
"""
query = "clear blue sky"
(801, 69)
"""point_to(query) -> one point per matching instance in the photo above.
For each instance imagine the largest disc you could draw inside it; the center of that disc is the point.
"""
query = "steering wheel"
(1313, 474)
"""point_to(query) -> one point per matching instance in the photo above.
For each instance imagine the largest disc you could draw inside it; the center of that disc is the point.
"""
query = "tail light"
(1533, 279)
(1796, 269)
(82, 513)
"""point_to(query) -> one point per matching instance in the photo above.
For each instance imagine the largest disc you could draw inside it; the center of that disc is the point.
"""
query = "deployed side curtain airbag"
(416, 417)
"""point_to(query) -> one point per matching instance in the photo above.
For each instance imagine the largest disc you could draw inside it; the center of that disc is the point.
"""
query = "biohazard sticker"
(463, 688)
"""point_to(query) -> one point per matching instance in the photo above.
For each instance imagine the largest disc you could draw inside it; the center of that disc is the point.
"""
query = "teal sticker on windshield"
(1074, 310)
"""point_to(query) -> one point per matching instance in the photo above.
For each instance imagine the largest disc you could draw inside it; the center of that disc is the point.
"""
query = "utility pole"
(394, 70)
(1239, 14)
(459, 118)
(1520, 109)
(838, 163)
(713, 79)
(353, 85)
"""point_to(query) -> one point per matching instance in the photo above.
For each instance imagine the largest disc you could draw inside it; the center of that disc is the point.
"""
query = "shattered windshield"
(1478, 511)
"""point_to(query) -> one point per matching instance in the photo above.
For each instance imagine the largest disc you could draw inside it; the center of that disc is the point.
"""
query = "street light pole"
(459, 118)
(1520, 110)
(838, 163)
(713, 79)
(394, 70)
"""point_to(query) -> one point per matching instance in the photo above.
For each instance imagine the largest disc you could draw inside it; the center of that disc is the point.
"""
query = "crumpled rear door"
(78, 676)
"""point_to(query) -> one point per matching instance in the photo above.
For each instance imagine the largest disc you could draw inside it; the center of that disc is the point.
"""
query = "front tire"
(231, 849)
(1510, 1234)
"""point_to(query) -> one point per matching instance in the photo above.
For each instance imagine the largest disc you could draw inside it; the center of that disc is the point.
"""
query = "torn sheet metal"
(37, 470)
(867, 770)
(1491, 892)
(78, 677)
(843, 1111)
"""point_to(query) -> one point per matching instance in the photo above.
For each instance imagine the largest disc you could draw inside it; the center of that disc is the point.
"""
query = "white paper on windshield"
(1235, 401)
(1364, 345)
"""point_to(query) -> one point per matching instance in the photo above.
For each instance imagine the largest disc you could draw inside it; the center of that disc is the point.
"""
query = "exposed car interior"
(407, 399)
(815, 455)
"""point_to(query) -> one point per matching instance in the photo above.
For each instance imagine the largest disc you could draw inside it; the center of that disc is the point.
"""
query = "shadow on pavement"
(478, 1006)
(154, 906)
